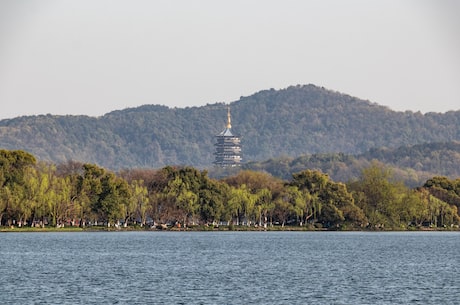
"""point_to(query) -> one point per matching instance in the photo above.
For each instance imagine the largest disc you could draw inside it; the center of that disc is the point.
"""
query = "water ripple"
(230, 268)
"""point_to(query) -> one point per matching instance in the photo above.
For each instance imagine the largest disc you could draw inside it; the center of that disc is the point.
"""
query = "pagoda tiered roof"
(228, 147)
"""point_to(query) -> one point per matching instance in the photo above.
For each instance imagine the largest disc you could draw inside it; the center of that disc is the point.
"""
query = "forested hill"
(291, 122)
(413, 164)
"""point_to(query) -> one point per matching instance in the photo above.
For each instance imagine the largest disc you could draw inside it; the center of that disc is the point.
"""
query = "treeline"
(412, 164)
(79, 194)
(291, 122)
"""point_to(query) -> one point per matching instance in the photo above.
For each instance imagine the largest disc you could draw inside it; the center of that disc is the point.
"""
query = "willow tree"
(138, 204)
(311, 184)
(379, 195)
(256, 192)
(282, 209)
(241, 203)
(264, 205)
(328, 201)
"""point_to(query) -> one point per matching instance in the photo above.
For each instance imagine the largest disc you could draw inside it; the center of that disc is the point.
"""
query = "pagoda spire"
(228, 146)
(229, 120)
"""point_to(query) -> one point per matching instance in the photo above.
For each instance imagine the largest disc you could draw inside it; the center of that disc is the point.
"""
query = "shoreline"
(217, 229)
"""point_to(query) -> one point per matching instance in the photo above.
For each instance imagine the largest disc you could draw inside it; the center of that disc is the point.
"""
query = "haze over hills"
(292, 122)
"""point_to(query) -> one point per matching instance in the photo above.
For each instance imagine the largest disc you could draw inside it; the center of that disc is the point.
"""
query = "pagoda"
(228, 147)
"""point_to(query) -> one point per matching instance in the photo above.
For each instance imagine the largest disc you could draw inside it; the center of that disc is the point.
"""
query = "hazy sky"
(94, 56)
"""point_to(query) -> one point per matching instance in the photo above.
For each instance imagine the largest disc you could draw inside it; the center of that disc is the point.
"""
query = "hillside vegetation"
(412, 165)
(292, 122)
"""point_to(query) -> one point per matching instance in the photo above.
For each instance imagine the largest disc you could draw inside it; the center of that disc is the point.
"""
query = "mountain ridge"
(294, 121)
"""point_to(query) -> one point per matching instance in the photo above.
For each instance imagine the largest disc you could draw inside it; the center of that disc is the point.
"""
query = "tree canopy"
(83, 194)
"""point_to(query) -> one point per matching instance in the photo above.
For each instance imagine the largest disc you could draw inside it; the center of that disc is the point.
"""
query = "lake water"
(230, 268)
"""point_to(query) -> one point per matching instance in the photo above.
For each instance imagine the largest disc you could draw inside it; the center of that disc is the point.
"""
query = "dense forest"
(40, 194)
(412, 164)
(293, 122)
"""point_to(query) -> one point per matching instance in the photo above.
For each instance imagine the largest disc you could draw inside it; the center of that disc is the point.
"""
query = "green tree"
(256, 194)
(414, 208)
(182, 192)
(444, 189)
(312, 184)
(379, 195)
(13, 167)
(282, 209)
(115, 194)
(104, 193)
(138, 203)
(264, 206)
(296, 200)
(241, 203)
(327, 201)
(212, 198)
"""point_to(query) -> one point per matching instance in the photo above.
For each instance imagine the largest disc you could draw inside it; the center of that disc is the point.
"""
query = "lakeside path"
(217, 229)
